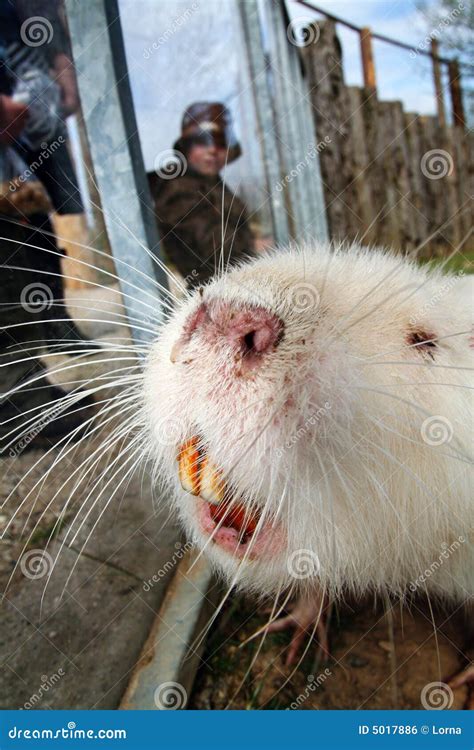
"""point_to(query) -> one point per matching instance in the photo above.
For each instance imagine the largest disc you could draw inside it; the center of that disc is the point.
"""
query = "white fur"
(353, 481)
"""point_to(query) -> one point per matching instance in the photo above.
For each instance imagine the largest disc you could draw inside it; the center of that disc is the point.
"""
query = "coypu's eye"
(423, 341)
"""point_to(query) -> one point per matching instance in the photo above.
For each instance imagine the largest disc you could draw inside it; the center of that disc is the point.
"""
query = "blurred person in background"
(201, 222)
(32, 108)
(36, 70)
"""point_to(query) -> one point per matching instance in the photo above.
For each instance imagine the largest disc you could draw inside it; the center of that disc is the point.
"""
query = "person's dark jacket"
(192, 211)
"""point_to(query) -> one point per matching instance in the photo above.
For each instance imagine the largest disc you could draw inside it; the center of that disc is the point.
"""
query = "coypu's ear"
(423, 341)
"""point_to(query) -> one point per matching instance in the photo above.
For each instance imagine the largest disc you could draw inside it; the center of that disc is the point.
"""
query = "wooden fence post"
(323, 64)
(438, 83)
(367, 58)
(456, 94)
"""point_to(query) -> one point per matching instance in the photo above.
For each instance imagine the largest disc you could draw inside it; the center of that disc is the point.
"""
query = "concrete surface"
(93, 628)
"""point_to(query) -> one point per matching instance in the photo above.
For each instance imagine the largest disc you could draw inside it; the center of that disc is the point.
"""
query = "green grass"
(44, 534)
(462, 261)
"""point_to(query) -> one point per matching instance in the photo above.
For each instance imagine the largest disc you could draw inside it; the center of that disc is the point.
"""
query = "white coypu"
(310, 413)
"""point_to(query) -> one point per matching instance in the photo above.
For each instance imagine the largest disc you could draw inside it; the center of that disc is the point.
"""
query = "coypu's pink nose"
(251, 330)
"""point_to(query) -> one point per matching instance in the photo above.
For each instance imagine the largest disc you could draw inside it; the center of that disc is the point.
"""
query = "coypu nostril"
(259, 340)
(248, 341)
(254, 329)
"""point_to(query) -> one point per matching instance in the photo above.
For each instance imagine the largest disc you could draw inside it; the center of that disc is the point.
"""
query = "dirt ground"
(365, 671)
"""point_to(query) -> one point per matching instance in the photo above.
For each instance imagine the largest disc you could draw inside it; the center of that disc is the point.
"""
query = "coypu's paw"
(308, 618)
(465, 678)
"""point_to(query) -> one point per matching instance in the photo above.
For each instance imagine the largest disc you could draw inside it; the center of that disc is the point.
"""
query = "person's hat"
(208, 123)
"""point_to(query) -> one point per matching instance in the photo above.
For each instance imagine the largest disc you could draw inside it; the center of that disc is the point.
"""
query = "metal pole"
(109, 116)
(251, 28)
(115, 149)
(294, 123)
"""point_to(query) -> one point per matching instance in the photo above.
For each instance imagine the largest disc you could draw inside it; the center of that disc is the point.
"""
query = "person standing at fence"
(202, 223)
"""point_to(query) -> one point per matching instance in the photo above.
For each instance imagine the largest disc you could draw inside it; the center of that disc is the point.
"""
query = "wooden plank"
(323, 64)
(437, 167)
(417, 192)
(389, 223)
(401, 155)
(375, 169)
(359, 192)
(459, 119)
(462, 143)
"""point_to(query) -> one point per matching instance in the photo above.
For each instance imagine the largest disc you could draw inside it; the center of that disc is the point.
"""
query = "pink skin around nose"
(250, 330)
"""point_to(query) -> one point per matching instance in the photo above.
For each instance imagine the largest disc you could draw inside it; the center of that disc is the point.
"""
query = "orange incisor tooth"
(189, 466)
(212, 485)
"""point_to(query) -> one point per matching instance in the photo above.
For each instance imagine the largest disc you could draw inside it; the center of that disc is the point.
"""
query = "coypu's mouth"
(229, 521)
